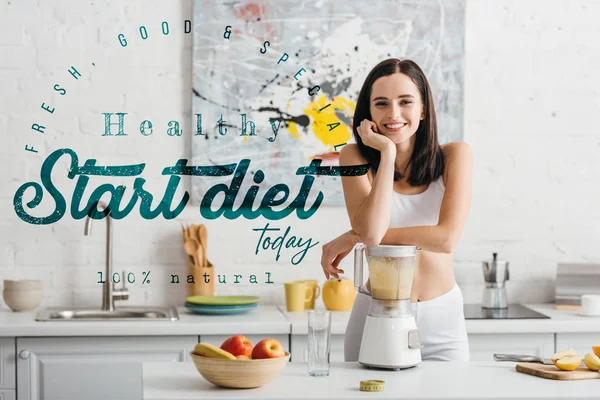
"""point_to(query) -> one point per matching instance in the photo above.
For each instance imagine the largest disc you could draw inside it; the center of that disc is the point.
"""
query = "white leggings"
(441, 324)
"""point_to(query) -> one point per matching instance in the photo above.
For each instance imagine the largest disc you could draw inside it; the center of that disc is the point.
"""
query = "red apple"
(238, 345)
(268, 348)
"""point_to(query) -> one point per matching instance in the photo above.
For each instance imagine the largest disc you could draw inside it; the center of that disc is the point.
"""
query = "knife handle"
(516, 358)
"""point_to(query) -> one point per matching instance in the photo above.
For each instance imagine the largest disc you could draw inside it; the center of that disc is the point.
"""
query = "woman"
(415, 193)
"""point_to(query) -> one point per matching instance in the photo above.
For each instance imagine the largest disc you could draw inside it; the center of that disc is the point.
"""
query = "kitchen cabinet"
(8, 395)
(300, 348)
(91, 367)
(582, 342)
(218, 340)
(8, 378)
(483, 346)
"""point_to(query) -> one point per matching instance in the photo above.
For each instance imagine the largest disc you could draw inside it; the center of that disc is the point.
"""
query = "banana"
(209, 350)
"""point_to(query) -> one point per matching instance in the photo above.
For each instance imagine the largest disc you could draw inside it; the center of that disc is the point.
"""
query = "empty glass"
(319, 342)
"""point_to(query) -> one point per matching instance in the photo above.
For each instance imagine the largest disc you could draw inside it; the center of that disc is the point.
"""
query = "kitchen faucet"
(109, 293)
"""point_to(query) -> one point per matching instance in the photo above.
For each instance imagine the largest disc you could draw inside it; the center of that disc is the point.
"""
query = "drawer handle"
(24, 354)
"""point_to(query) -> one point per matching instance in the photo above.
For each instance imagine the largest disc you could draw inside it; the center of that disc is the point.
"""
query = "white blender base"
(385, 343)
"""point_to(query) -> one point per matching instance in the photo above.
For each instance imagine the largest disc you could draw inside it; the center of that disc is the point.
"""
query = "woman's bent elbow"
(370, 239)
(446, 249)
(448, 246)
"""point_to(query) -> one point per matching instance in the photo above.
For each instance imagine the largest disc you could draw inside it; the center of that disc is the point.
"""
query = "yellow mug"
(296, 294)
(315, 293)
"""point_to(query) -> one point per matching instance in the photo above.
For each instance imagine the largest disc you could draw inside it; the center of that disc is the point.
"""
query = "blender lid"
(391, 251)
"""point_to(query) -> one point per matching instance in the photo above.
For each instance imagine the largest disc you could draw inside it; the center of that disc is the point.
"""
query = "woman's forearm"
(436, 238)
(372, 219)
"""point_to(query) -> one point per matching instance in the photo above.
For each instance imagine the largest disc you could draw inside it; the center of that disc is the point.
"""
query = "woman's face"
(396, 107)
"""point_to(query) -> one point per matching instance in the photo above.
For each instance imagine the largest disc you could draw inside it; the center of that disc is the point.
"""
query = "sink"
(108, 311)
(119, 314)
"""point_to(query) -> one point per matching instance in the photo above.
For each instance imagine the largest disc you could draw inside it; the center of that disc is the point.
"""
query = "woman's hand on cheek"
(335, 251)
(368, 133)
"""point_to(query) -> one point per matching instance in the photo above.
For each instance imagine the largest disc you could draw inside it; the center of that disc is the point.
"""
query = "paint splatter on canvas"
(256, 87)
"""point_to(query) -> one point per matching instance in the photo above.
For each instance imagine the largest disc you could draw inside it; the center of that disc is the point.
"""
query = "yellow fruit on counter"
(592, 361)
(596, 350)
(568, 363)
(338, 294)
(562, 354)
(208, 350)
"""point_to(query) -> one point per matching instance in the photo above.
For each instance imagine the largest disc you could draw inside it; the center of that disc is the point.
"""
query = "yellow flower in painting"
(326, 125)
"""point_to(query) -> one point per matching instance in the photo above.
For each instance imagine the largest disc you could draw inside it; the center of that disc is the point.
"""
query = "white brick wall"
(531, 116)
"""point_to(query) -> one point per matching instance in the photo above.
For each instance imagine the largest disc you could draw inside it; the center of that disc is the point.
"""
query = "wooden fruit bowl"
(239, 374)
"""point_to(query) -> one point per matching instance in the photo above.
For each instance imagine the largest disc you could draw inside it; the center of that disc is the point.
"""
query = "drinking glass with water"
(319, 342)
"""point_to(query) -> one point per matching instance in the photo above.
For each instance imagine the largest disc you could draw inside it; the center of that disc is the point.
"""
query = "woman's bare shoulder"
(457, 155)
(350, 155)
(456, 150)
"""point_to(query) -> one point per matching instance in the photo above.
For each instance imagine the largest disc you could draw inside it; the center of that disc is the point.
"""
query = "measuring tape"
(372, 386)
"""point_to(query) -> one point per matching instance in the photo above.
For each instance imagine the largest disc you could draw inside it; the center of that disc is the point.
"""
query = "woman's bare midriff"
(434, 276)
(434, 273)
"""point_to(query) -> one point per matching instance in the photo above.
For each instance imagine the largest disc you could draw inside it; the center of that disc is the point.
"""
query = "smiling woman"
(417, 193)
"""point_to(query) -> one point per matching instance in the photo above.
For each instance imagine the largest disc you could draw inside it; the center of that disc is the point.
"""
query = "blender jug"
(390, 337)
(391, 271)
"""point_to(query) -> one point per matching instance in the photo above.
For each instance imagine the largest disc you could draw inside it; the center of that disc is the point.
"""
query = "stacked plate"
(221, 305)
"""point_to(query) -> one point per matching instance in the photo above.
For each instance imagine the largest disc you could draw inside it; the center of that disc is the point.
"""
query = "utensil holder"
(200, 287)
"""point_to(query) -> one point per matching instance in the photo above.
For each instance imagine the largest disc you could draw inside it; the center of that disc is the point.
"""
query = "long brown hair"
(427, 160)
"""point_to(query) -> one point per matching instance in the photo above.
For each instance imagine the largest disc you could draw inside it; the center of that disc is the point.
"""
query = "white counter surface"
(270, 319)
(429, 380)
(264, 319)
(560, 322)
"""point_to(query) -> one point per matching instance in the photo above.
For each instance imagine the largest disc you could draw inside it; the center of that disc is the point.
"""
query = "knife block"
(200, 287)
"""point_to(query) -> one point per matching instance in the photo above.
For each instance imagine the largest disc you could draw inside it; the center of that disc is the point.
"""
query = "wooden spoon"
(193, 232)
(200, 255)
(191, 247)
(203, 236)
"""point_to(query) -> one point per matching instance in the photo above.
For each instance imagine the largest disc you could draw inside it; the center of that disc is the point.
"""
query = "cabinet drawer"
(8, 364)
(92, 368)
(483, 346)
(8, 395)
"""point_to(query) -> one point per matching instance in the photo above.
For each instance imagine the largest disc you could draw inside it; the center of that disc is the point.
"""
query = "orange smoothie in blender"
(390, 278)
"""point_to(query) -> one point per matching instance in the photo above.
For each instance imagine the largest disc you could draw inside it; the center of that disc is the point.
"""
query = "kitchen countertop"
(264, 319)
(560, 322)
(429, 380)
(270, 319)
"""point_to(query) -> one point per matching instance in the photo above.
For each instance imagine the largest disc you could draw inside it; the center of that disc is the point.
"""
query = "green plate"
(222, 300)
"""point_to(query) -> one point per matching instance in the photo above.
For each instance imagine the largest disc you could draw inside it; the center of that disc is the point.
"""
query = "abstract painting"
(276, 81)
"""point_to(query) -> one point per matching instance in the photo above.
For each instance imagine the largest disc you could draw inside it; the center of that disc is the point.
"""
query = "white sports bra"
(421, 209)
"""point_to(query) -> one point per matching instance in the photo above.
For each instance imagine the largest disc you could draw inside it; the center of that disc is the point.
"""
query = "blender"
(390, 337)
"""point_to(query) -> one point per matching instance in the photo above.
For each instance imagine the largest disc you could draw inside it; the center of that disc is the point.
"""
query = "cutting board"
(568, 307)
(551, 372)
